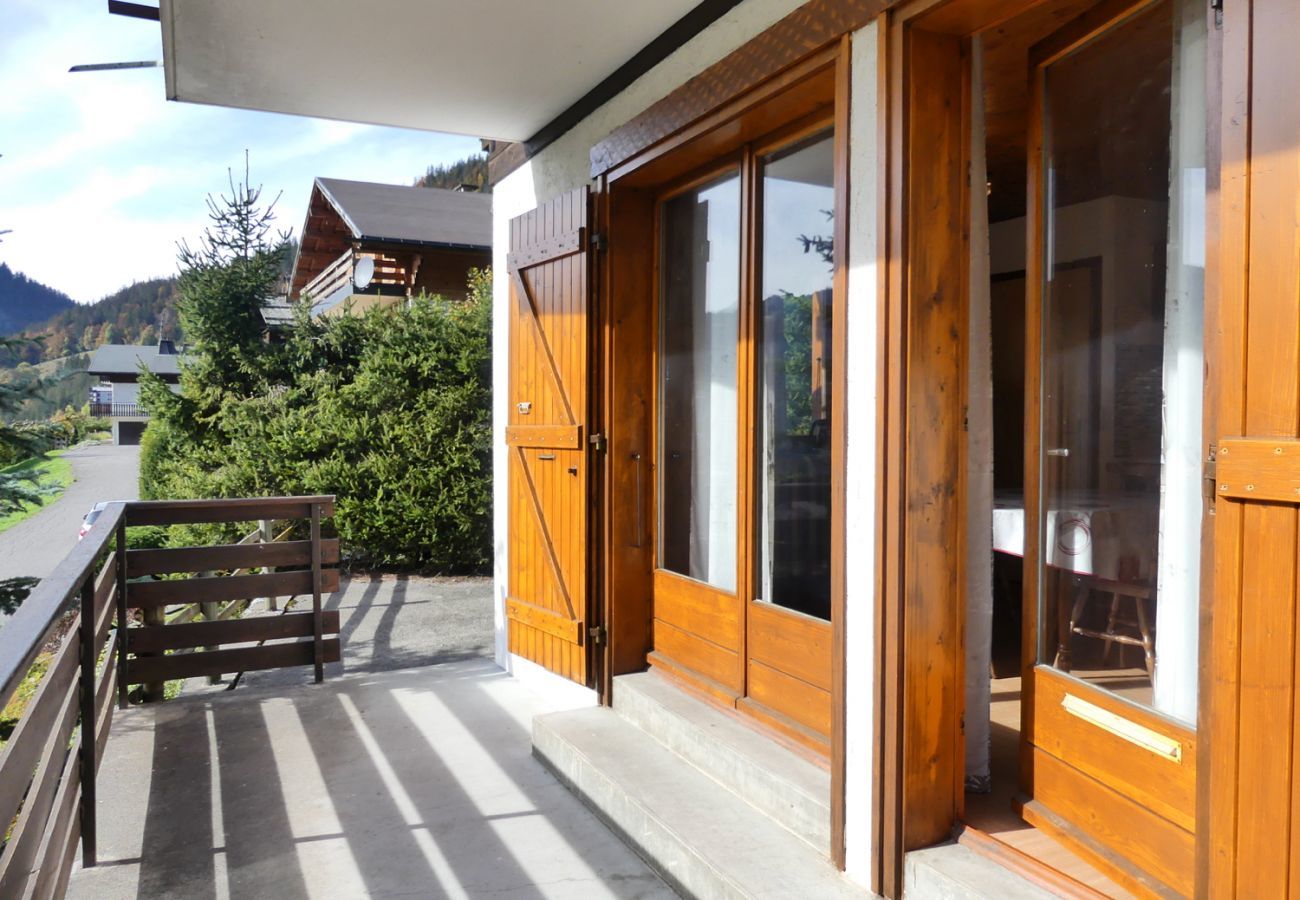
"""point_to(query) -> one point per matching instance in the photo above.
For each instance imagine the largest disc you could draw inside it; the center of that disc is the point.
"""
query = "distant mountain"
(140, 313)
(24, 302)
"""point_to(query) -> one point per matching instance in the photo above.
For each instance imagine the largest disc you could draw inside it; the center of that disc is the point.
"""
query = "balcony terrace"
(405, 772)
(117, 410)
(387, 277)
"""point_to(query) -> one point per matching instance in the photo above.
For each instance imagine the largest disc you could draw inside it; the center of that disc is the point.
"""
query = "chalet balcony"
(381, 276)
(117, 410)
(349, 749)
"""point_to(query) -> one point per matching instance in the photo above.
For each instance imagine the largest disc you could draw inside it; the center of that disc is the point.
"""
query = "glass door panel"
(793, 462)
(1122, 363)
(698, 407)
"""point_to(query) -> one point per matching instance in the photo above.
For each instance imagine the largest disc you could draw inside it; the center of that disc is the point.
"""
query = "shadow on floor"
(412, 783)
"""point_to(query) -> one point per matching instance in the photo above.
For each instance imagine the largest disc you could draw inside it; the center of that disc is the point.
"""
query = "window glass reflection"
(794, 378)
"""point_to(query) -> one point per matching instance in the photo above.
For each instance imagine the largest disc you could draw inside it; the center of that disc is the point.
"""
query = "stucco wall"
(564, 166)
(860, 483)
(126, 392)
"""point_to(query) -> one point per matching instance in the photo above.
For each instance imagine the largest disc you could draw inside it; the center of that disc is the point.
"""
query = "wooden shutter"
(547, 587)
(1250, 726)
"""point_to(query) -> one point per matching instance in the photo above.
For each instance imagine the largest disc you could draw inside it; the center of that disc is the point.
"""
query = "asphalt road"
(38, 544)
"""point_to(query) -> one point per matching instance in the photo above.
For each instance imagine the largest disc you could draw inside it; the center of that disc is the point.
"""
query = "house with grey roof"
(365, 244)
(117, 394)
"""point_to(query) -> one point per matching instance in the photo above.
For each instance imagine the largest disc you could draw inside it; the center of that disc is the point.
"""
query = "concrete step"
(954, 872)
(789, 789)
(700, 837)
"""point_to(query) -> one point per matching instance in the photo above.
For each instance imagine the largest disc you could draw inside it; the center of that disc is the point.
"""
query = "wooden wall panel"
(1249, 712)
(446, 272)
(816, 24)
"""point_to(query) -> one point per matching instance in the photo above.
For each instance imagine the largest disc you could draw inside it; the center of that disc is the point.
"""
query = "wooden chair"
(1119, 628)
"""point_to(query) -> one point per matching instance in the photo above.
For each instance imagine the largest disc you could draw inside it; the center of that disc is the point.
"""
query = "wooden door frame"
(920, 765)
(901, 650)
(625, 203)
(1046, 772)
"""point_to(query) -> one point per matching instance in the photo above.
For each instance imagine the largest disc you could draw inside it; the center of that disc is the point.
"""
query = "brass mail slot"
(1124, 728)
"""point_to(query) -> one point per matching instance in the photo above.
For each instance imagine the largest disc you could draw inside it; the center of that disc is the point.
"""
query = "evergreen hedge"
(389, 411)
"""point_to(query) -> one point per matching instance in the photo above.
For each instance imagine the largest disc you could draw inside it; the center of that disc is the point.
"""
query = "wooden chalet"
(117, 394)
(365, 245)
(896, 417)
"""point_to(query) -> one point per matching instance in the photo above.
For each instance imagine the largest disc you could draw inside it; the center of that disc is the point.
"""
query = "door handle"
(636, 461)
(547, 456)
(1059, 451)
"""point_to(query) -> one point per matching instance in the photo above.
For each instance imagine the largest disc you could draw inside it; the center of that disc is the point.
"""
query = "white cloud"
(100, 176)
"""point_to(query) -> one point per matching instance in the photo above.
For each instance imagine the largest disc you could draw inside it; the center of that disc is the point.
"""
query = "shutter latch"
(1210, 478)
(598, 241)
(597, 442)
(597, 634)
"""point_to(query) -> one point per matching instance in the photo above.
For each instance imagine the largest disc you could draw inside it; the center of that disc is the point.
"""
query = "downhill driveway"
(36, 545)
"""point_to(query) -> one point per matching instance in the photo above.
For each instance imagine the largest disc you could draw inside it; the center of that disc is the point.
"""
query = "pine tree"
(16, 443)
(223, 284)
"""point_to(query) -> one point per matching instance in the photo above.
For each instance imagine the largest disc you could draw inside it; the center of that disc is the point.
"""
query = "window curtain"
(1178, 572)
(979, 453)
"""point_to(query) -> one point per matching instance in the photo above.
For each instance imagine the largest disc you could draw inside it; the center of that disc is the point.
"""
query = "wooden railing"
(338, 274)
(80, 613)
(116, 409)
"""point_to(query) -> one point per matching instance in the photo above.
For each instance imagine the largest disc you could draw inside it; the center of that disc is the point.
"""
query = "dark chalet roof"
(341, 213)
(277, 313)
(414, 215)
(125, 359)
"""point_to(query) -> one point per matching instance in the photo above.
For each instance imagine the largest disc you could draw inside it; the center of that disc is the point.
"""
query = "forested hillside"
(472, 171)
(140, 313)
(66, 383)
(24, 302)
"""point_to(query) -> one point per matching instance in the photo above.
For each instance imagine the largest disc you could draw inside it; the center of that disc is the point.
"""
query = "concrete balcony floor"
(413, 782)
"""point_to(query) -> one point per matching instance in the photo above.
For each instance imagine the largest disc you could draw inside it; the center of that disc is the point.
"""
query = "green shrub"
(389, 411)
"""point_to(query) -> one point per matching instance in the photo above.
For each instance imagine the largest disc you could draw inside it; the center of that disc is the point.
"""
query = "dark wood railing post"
(88, 742)
(266, 535)
(152, 691)
(210, 610)
(318, 623)
(123, 681)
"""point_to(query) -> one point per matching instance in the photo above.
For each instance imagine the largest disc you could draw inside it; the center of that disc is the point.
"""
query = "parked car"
(95, 512)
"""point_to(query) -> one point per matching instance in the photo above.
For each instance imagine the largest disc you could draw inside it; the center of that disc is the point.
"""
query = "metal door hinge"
(598, 241)
(1217, 7)
(597, 634)
(597, 442)
(1210, 483)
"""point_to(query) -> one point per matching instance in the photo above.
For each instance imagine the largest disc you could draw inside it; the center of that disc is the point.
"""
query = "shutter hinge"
(1210, 478)
(598, 241)
(597, 442)
(1217, 6)
(597, 634)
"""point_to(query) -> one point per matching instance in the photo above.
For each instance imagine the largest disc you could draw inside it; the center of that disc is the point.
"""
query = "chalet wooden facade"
(364, 245)
(851, 351)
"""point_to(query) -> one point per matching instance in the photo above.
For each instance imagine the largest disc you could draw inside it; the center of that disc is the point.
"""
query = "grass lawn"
(50, 470)
(12, 713)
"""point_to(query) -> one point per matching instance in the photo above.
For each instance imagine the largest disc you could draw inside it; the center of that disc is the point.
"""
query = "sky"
(100, 176)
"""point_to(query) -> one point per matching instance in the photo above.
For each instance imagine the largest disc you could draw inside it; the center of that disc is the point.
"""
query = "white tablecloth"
(1086, 536)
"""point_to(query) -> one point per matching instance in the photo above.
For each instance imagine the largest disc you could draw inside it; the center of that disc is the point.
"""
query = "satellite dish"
(364, 272)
